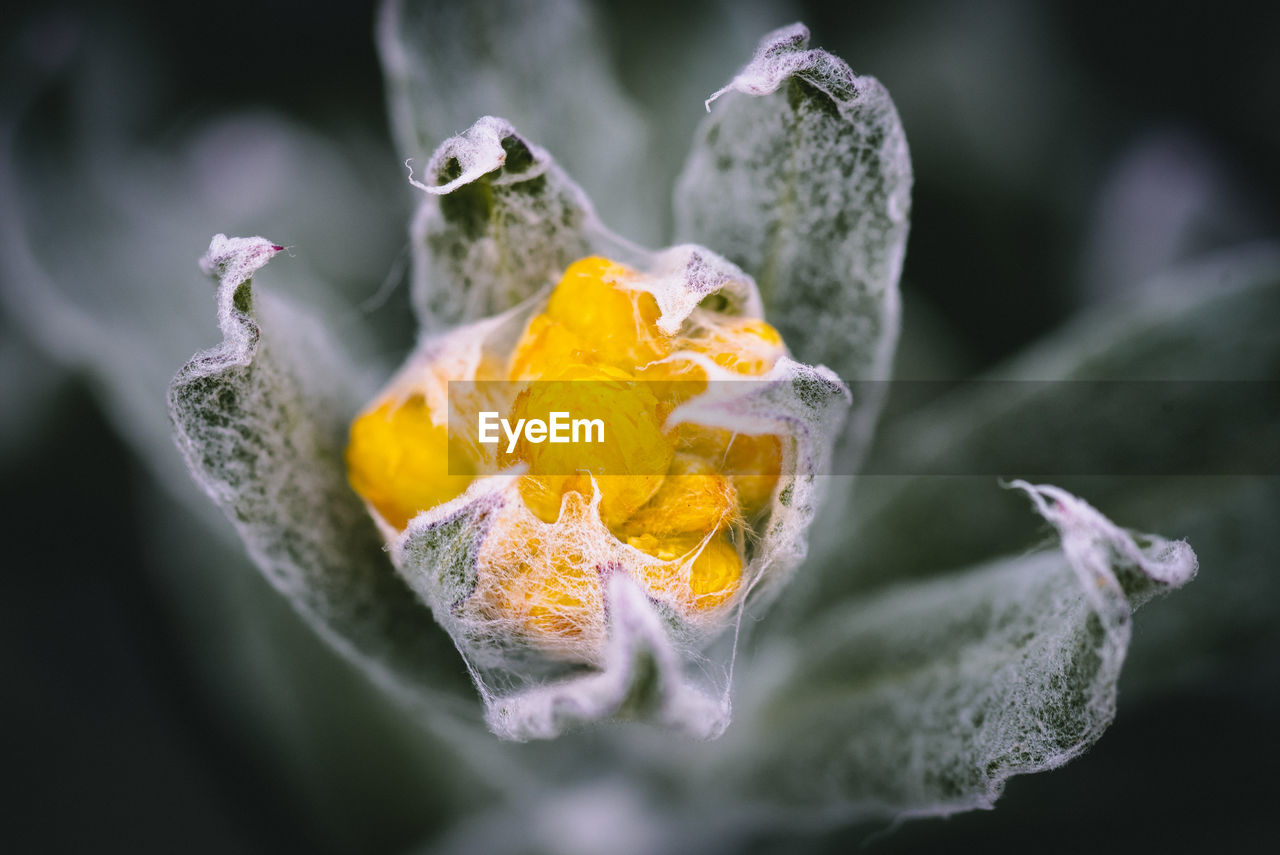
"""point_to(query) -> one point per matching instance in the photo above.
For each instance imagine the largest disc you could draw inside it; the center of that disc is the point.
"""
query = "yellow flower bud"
(674, 505)
(537, 579)
(547, 346)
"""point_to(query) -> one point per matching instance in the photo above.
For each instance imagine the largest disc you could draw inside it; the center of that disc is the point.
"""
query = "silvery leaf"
(643, 678)
(499, 221)
(925, 699)
(801, 176)
(261, 421)
(542, 65)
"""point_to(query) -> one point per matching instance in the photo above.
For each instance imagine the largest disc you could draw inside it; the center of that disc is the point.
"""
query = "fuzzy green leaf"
(543, 66)
(802, 178)
(261, 422)
(926, 699)
(499, 222)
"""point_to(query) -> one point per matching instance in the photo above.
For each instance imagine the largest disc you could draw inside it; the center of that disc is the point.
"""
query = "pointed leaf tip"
(490, 145)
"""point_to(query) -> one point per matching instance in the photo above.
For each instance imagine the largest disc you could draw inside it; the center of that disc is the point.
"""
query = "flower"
(564, 612)
(672, 515)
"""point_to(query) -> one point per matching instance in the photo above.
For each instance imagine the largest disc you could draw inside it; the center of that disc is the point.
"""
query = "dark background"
(112, 742)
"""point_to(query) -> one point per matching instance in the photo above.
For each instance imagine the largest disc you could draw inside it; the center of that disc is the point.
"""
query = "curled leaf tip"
(1114, 566)
(489, 147)
(784, 53)
(498, 222)
(237, 258)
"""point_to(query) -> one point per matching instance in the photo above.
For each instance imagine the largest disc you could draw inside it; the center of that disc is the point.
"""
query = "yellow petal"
(693, 500)
(700, 573)
(399, 462)
(751, 462)
(546, 346)
(628, 466)
(617, 323)
(743, 345)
